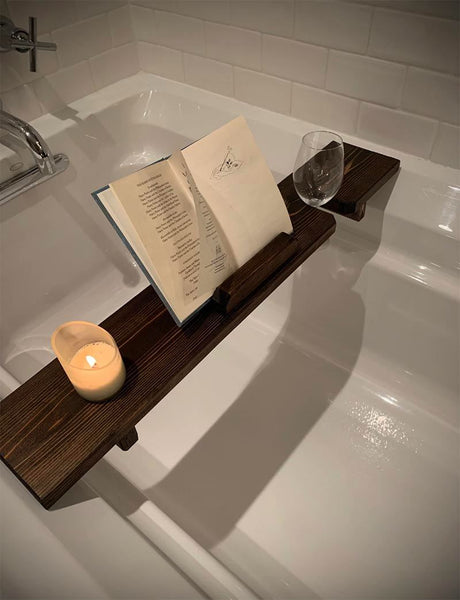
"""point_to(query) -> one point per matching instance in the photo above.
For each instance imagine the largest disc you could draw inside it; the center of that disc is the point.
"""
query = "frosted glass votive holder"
(90, 357)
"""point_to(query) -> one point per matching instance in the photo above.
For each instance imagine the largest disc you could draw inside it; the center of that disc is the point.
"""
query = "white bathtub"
(314, 453)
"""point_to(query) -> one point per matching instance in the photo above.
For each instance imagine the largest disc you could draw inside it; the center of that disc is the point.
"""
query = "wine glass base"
(315, 203)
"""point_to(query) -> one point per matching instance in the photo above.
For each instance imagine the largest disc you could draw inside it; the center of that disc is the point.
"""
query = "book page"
(163, 213)
(128, 232)
(216, 262)
(231, 173)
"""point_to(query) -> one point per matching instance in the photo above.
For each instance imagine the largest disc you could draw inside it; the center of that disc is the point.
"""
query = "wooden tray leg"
(128, 440)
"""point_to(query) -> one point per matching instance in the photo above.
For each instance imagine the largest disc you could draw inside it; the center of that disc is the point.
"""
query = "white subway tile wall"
(394, 128)
(161, 61)
(365, 78)
(234, 45)
(268, 17)
(432, 94)
(263, 90)
(446, 147)
(208, 74)
(435, 8)
(293, 60)
(202, 9)
(121, 26)
(415, 39)
(144, 24)
(325, 109)
(87, 9)
(50, 14)
(177, 31)
(115, 64)
(82, 40)
(386, 70)
(339, 25)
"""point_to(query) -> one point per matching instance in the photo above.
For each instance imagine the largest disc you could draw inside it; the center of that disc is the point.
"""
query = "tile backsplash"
(386, 70)
(95, 47)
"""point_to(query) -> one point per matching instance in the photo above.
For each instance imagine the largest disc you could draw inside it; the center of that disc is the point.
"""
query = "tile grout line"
(371, 25)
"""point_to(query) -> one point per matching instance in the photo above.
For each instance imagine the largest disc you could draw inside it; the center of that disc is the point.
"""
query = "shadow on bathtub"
(217, 481)
(309, 363)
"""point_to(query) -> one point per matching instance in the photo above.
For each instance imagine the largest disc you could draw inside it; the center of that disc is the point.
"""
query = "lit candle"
(90, 358)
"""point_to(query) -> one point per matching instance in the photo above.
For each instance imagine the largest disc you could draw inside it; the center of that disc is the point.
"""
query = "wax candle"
(90, 358)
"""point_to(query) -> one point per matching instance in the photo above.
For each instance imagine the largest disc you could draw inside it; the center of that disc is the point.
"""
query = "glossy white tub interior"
(314, 453)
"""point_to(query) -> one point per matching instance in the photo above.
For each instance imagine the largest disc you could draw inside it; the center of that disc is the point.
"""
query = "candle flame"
(90, 360)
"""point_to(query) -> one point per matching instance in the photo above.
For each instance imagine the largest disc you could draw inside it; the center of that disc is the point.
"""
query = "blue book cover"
(141, 265)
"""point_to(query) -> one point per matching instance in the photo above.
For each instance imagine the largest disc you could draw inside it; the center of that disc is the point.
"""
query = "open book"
(191, 220)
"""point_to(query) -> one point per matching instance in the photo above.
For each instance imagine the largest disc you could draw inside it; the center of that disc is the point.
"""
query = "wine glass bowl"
(318, 169)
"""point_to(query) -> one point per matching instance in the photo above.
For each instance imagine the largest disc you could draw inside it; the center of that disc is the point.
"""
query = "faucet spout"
(46, 165)
(30, 137)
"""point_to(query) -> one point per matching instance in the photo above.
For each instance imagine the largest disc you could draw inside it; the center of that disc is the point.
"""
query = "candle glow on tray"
(90, 358)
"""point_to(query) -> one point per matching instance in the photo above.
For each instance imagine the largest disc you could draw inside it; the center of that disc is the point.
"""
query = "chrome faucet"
(29, 137)
(16, 38)
(46, 165)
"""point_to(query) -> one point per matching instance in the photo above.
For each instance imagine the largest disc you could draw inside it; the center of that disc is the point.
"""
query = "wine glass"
(318, 169)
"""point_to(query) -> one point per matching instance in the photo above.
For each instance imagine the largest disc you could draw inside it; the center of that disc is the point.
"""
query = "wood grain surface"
(50, 436)
(236, 288)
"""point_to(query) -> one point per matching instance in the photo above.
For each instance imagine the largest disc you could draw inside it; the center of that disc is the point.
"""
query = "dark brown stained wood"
(243, 282)
(50, 436)
(364, 173)
(128, 440)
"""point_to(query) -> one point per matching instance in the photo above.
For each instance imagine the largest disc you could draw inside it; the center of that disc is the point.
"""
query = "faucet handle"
(12, 37)
(33, 39)
(36, 45)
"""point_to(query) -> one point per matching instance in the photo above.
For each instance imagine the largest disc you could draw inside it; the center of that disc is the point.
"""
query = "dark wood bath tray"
(50, 436)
